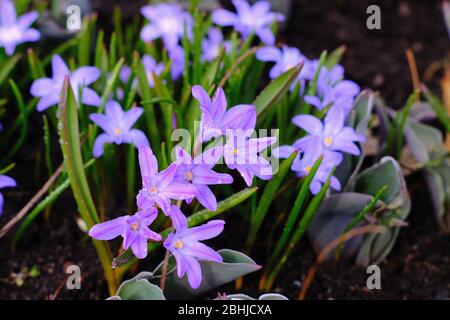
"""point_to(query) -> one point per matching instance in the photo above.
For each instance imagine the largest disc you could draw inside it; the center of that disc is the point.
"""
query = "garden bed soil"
(418, 266)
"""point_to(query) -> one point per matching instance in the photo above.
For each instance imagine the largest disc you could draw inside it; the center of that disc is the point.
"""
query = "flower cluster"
(186, 178)
(328, 139)
(5, 182)
(16, 30)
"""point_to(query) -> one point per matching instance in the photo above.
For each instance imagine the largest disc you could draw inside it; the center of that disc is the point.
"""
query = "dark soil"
(417, 268)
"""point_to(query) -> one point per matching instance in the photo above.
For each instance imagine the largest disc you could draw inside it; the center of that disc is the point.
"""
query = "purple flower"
(187, 249)
(334, 136)
(176, 55)
(5, 182)
(159, 188)
(249, 19)
(312, 151)
(213, 43)
(167, 21)
(241, 153)
(199, 173)
(117, 125)
(333, 90)
(49, 89)
(216, 119)
(285, 59)
(151, 68)
(13, 30)
(133, 229)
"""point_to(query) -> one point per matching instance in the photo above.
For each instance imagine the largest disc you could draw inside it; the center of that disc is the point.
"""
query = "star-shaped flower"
(187, 249)
(49, 89)
(16, 30)
(167, 21)
(159, 187)
(249, 19)
(216, 119)
(133, 229)
(117, 125)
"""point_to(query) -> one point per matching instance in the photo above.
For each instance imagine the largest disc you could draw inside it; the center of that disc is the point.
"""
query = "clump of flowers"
(184, 179)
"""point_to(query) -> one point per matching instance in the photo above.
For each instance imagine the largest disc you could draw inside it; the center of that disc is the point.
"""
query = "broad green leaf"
(276, 89)
(139, 288)
(214, 274)
(263, 297)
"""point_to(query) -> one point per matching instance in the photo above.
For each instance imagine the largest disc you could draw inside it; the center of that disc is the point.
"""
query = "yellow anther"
(308, 169)
(153, 189)
(117, 131)
(328, 141)
(188, 176)
(235, 151)
(179, 244)
(134, 226)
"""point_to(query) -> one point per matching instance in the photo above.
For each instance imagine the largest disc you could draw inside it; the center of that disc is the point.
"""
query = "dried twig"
(11, 223)
(329, 248)
(413, 70)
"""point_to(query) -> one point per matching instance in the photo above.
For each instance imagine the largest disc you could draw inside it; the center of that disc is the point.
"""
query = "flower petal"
(194, 272)
(8, 13)
(207, 231)
(178, 219)
(147, 162)
(240, 117)
(90, 97)
(108, 230)
(268, 54)
(201, 251)
(224, 18)
(59, 69)
(47, 101)
(26, 20)
(84, 76)
(309, 123)
(6, 181)
(42, 87)
(150, 32)
(99, 144)
(139, 247)
(202, 97)
(137, 138)
(205, 196)
(131, 117)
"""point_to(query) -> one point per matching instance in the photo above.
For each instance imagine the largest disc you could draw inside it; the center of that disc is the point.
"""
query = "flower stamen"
(179, 244)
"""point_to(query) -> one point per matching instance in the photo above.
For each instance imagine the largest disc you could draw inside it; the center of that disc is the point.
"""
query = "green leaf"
(438, 108)
(276, 89)
(214, 274)
(298, 204)
(303, 226)
(266, 199)
(334, 57)
(73, 163)
(8, 67)
(139, 288)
